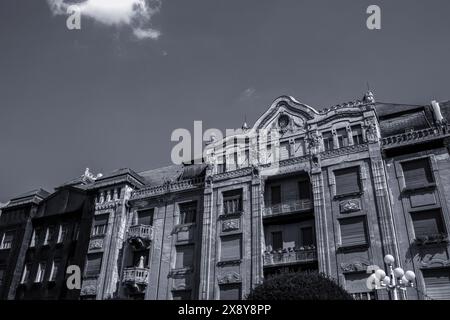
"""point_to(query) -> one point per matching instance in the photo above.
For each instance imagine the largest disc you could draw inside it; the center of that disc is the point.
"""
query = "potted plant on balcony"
(299, 286)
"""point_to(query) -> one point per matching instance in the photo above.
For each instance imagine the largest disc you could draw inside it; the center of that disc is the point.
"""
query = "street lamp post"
(397, 278)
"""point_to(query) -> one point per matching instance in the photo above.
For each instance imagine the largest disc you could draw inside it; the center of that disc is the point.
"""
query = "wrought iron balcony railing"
(290, 255)
(288, 207)
(135, 276)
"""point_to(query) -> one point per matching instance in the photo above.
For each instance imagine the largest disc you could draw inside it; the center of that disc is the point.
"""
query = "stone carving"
(372, 134)
(96, 244)
(314, 142)
(354, 266)
(350, 205)
(231, 224)
(429, 261)
(89, 288)
(231, 277)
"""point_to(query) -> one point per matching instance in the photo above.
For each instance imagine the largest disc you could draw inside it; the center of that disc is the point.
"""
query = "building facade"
(344, 187)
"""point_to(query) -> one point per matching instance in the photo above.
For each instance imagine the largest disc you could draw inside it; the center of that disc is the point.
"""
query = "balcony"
(136, 278)
(415, 136)
(288, 207)
(290, 256)
(140, 236)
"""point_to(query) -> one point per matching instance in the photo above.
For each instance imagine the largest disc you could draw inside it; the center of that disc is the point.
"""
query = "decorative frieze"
(354, 267)
(232, 277)
(231, 225)
(96, 244)
(350, 205)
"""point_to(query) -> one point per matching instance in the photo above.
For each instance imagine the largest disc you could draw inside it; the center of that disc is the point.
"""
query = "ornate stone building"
(344, 187)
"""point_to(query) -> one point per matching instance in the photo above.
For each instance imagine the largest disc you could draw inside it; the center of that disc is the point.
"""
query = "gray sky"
(101, 98)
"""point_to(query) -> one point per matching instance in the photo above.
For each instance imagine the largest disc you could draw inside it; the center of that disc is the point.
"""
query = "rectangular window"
(182, 295)
(49, 235)
(25, 273)
(342, 137)
(304, 190)
(307, 236)
(40, 273)
(93, 264)
(427, 223)
(230, 292)
(284, 150)
(188, 212)
(185, 256)
(328, 140)
(100, 225)
(62, 233)
(230, 248)
(246, 158)
(275, 192)
(353, 231)
(33, 239)
(277, 240)
(347, 181)
(145, 217)
(232, 202)
(54, 270)
(437, 283)
(7, 240)
(417, 173)
(357, 135)
(299, 148)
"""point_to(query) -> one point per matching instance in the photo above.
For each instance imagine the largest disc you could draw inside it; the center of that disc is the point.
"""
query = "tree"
(299, 286)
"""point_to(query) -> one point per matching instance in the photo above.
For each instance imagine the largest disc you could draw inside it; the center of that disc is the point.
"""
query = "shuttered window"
(185, 256)
(437, 283)
(284, 150)
(427, 223)
(353, 231)
(182, 295)
(417, 173)
(230, 248)
(93, 264)
(356, 282)
(347, 181)
(230, 292)
(277, 240)
(275, 194)
(188, 212)
(145, 217)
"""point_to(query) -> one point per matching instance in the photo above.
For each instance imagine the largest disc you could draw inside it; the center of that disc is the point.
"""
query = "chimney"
(437, 111)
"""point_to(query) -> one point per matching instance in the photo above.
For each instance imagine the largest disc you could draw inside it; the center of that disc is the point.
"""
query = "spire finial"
(245, 125)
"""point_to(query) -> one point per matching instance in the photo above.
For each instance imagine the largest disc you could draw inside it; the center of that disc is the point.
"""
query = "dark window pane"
(307, 236)
(277, 240)
(437, 283)
(304, 190)
(417, 173)
(188, 212)
(427, 223)
(276, 195)
(145, 217)
(185, 256)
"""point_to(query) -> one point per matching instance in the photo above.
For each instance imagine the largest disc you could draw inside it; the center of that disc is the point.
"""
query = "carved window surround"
(401, 178)
(233, 262)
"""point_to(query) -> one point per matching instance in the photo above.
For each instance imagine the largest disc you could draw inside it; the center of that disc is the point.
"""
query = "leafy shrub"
(299, 286)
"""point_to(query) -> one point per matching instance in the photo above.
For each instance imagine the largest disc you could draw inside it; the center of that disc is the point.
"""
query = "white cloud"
(135, 14)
